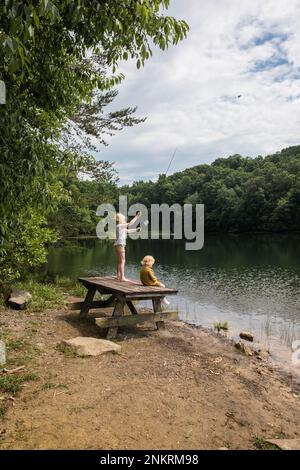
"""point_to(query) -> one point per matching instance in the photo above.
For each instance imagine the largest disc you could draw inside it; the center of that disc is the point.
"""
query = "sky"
(190, 93)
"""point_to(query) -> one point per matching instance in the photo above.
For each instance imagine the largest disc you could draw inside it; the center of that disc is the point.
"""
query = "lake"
(250, 281)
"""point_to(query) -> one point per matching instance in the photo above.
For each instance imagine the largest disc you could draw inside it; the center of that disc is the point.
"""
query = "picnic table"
(122, 294)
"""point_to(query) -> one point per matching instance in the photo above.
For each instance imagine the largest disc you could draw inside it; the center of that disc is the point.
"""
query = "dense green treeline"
(239, 193)
(76, 216)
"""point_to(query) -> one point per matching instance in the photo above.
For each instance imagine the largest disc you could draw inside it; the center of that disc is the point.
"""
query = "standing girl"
(120, 243)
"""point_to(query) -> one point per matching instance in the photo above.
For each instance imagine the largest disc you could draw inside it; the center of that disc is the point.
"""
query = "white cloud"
(190, 93)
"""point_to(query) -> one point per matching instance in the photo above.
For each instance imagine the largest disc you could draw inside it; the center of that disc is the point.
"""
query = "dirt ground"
(178, 388)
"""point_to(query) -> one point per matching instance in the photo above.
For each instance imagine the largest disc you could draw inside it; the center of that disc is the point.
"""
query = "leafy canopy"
(118, 29)
(54, 59)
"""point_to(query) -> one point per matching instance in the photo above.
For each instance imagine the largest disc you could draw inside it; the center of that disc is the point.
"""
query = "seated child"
(148, 277)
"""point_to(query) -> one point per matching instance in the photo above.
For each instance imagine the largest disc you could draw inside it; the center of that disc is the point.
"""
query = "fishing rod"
(171, 161)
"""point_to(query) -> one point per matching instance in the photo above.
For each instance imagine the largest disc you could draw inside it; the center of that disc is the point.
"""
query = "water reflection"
(253, 282)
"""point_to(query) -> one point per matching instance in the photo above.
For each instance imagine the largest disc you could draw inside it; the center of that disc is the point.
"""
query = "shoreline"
(183, 387)
(279, 361)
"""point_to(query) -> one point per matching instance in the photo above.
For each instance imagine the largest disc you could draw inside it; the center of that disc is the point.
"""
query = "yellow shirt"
(148, 277)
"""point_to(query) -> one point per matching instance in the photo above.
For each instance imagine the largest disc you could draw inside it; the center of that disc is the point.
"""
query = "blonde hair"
(147, 259)
(120, 218)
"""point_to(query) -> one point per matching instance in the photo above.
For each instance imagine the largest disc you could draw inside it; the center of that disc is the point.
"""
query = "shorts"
(120, 248)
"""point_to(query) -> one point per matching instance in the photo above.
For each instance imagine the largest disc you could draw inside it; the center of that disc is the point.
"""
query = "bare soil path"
(180, 388)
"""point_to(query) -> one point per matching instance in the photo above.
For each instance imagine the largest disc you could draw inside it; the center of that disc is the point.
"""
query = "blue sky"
(190, 93)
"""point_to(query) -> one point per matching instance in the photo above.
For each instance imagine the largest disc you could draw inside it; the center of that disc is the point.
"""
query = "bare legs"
(120, 252)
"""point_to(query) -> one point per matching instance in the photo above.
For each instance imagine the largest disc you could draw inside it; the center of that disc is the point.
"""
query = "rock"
(223, 448)
(19, 299)
(246, 335)
(84, 346)
(243, 348)
(286, 444)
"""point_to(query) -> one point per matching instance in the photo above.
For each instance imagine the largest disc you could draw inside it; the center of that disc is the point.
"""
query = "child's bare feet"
(124, 279)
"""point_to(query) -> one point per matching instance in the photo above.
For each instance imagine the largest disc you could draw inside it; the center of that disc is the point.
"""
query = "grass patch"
(70, 286)
(20, 349)
(3, 411)
(50, 385)
(13, 383)
(44, 296)
(78, 290)
(49, 295)
(221, 326)
(5, 334)
(66, 350)
(19, 344)
(261, 444)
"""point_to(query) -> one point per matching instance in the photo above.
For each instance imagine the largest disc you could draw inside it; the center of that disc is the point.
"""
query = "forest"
(240, 194)
(59, 66)
(55, 117)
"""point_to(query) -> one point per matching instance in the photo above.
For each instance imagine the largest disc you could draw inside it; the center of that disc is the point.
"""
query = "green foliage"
(50, 385)
(261, 444)
(44, 296)
(19, 344)
(53, 59)
(239, 193)
(122, 29)
(19, 349)
(13, 383)
(77, 216)
(221, 326)
(72, 287)
(25, 244)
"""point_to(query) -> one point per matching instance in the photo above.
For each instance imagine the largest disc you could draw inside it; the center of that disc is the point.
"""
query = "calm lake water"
(253, 282)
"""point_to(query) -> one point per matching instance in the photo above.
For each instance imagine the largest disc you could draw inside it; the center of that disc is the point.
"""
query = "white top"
(121, 235)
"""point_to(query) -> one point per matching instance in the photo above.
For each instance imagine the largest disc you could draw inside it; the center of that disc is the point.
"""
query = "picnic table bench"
(122, 294)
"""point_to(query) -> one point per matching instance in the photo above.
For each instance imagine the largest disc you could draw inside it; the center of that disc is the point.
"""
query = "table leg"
(132, 307)
(118, 311)
(110, 302)
(87, 302)
(157, 308)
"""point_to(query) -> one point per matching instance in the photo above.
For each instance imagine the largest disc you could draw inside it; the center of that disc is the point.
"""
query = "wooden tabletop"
(112, 285)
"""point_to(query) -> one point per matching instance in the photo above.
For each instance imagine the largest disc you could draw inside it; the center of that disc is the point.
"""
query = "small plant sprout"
(221, 326)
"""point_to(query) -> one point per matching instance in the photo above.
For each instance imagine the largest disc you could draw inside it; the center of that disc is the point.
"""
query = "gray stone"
(19, 299)
(286, 444)
(85, 346)
(246, 335)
